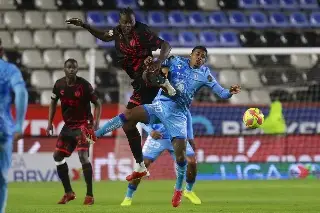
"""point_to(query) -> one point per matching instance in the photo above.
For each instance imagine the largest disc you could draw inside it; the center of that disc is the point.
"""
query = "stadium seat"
(309, 4)
(13, 19)
(157, 19)
(53, 58)
(238, 19)
(292, 77)
(278, 19)
(218, 19)
(127, 3)
(100, 61)
(280, 95)
(209, 38)
(22, 39)
(34, 19)
(248, 4)
(197, 19)
(187, 39)
(45, 98)
(84, 74)
(210, 5)
(6, 39)
(2, 25)
(84, 39)
(271, 77)
(269, 4)
(299, 20)
(32, 59)
(77, 55)
(64, 39)
(228, 4)
(100, 4)
(301, 61)
(228, 77)
(7, 5)
(260, 97)
(250, 79)
(96, 18)
(24, 4)
(229, 39)
(291, 39)
(184, 4)
(45, 4)
(177, 19)
(151, 4)
(74, 14)
(41, 79)
(258, 19)
(240, 61)
(315, 19)
(104, 44)
(56, 75)
(219, 61)
(43, 39)
(55, 20)
(106, 79)
(289, 4)
(250, 39)
(241, 98)
(271, 39)
(112, 18)
(310, 39)
(140, 16)
(70, 4)
(175, 4)
(170, 37)
(313, 75)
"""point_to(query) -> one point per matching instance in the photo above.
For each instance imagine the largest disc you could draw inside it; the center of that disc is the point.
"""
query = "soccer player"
(157, 142)
(187, 75)
(75, 94)
(10, 131)
(134, 42)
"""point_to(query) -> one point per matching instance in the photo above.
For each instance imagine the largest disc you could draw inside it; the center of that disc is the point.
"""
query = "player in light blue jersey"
(187, 76)
(157, 142)
(10, 80)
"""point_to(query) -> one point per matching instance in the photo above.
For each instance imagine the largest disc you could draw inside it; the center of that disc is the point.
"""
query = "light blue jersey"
(10, 80)
(173, 111)
(153, 148)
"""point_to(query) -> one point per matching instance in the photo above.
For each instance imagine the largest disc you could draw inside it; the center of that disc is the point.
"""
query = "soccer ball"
(253, 118)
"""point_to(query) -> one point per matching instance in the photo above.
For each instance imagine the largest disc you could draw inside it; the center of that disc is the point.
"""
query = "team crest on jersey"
(62, 92)
(179, 66)
(132, 43)
(77, 94)
(210, 79)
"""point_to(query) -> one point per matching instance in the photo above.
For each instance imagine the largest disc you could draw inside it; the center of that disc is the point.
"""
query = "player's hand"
(148, 60)
(156, 135)
(75, 21)
(17, 136)
(235, 89)
(154, 66)
(49, 130)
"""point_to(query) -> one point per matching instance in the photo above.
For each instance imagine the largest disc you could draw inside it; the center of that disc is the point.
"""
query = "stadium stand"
(36, 38)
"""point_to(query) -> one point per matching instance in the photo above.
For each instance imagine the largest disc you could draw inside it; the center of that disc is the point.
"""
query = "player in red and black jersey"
(134, 43)
(75, 94)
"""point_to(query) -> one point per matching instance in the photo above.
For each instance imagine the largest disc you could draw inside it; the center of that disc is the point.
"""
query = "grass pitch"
(295, 196)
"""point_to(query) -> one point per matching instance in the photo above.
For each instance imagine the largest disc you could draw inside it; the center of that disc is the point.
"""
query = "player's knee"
(83, 157)
(192, 161)
(58, 157)
(180, 157)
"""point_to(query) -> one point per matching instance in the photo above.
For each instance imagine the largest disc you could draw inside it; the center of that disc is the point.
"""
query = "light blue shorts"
(174, 119)
(152, 148)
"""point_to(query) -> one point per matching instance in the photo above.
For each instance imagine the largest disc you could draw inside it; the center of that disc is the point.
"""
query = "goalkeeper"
(158, 141)
(275, 122)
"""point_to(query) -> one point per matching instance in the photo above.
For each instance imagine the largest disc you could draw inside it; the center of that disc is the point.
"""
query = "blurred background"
(270, 47)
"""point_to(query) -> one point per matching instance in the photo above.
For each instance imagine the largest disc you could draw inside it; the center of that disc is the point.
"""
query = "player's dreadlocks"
(72, 60)
(126, 11)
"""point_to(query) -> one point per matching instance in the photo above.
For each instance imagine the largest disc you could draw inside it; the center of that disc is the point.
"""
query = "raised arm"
(100, 34)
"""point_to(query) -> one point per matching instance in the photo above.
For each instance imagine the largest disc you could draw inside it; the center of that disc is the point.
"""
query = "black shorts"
(69, 140)
(142, 96)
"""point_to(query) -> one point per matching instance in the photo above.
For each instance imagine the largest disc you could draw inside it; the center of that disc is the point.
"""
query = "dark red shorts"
(142, 96)
(69, 140)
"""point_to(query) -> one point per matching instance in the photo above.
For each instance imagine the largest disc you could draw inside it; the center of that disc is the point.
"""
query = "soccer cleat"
(139, 171)
(171, 91)
(88, 200)
(192, 197)
(126, 202)
(176, 199)
(67, 197)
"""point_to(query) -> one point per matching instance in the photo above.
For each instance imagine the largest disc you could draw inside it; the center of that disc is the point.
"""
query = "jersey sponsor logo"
(210, 79)
(77, 94)
(62, 92)
(179, 66)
